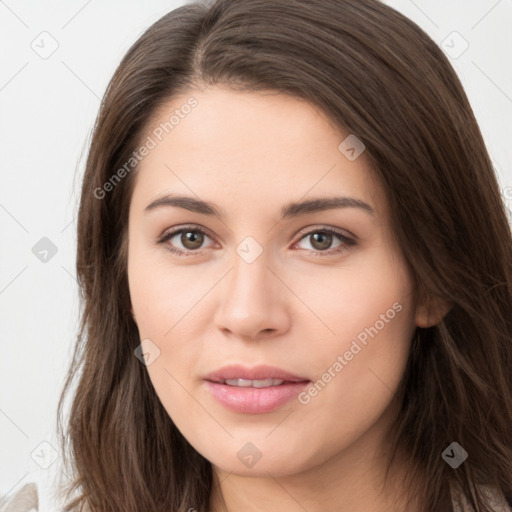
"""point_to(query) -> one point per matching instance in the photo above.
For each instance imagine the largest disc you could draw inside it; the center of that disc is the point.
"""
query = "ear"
(133, 314)
(431, 311)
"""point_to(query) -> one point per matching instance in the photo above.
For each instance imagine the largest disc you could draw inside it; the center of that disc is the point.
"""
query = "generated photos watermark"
(360, 342)
(143, 151)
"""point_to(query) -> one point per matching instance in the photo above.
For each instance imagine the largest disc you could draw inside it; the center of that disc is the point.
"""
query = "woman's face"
(263, 288)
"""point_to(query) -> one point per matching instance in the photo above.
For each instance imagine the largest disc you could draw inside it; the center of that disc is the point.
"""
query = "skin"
(250, 154)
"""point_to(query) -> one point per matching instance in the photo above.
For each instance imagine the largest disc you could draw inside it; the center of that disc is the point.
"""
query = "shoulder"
(494, 499)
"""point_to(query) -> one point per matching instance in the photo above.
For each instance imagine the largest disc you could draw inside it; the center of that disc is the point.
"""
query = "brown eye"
(192, 239)
(321, 241)
(184, 241)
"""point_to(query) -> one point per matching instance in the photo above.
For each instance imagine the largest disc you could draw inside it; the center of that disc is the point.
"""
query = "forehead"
(257, 148)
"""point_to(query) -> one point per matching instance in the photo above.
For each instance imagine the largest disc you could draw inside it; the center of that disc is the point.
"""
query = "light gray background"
(48, 108)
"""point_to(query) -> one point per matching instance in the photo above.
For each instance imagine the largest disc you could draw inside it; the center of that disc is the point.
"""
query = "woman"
(296, 273)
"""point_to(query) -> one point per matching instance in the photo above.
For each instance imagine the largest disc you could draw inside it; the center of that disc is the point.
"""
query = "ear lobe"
(133, 314)
(431, 312)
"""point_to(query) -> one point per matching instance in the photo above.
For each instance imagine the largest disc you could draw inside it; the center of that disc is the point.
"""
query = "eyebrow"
(290, 210)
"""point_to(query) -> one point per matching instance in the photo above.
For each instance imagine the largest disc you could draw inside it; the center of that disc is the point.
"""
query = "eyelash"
(347, 242)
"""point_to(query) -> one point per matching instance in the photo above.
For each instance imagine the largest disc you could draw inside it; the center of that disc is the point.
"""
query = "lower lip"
(254, 400)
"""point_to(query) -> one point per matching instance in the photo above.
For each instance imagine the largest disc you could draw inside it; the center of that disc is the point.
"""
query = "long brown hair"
(376, 74)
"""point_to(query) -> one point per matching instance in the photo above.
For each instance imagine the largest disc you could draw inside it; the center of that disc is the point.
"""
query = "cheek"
(359, 366)
(356, 384)
(372, 290)
(165, 303)
(161, 294)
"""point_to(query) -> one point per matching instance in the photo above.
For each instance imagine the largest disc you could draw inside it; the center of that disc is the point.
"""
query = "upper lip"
(255, 373)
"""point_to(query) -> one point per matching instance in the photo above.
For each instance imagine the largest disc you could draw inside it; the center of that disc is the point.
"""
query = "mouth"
(255, 383)
(258, 376)
(254, 390)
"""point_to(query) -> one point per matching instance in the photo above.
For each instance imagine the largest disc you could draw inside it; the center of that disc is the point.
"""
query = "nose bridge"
(250, 283)
(251, 298)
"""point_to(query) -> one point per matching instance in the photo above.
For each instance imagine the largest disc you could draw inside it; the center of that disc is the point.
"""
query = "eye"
(321, 241)
(191, 239)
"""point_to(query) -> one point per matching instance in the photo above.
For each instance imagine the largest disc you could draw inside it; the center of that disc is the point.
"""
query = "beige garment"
(25, 500)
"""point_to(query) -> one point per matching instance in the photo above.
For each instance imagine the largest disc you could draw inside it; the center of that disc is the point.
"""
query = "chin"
(250, 461)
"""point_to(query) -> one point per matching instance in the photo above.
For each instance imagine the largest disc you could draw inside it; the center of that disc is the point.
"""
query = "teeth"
(265, 383)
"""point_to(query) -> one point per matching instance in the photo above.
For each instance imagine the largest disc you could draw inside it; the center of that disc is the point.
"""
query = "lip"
(250, 400)
(254, 373)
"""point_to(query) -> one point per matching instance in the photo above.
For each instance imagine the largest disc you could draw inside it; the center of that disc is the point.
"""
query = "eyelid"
(323, 227)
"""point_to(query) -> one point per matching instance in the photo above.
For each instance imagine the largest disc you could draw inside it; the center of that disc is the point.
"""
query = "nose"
(254, 301)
